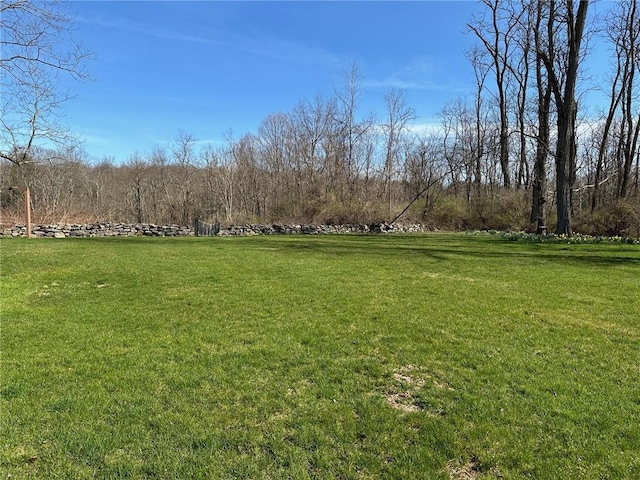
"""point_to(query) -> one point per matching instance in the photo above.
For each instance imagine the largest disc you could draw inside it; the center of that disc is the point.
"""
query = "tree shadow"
(402, 247)
(442, 248)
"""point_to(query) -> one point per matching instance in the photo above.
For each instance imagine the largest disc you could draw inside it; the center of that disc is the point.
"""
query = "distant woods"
(524, 150)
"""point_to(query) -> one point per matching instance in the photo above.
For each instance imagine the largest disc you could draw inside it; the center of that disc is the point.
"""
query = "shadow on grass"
(438, 247)
(443, 248)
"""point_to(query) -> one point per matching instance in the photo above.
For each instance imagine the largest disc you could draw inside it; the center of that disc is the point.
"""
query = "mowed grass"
(427, 356)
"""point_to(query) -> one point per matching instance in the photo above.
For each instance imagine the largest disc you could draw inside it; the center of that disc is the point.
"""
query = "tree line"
(523, 151)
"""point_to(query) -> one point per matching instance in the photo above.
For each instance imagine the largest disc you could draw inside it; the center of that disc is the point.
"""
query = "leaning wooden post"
(27, 207)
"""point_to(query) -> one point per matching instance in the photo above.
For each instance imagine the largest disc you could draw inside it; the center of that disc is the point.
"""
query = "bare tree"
(101, 180)
(522, 75)
(399, 114)
(566, 105)
(480, 70)
(274, 137)
(184, 166)
(423, 170)
(496, 34)
(225, 180)
(459, 144)
(36, 49)
(160, 188)
(347, 140)
(627, 28)
(311, 126)
(543, 88)
(137, 169)
(249, 187)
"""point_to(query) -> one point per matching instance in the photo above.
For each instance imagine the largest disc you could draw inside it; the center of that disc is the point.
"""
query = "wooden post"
(27, 207)
(27, 204)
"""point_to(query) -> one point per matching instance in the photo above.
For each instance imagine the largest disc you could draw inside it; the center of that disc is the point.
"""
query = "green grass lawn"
(404, 357)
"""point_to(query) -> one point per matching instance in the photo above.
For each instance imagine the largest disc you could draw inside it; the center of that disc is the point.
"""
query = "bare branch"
(36, 49)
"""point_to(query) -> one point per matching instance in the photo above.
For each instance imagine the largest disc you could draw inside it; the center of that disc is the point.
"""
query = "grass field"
(427, 356)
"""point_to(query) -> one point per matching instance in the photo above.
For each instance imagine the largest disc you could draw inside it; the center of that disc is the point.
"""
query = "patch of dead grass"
(409, 381)
(468, 471)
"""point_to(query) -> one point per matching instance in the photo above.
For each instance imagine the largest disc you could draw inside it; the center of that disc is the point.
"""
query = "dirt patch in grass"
(402, 395)
(468, 471)
(410, 382)
(402, 401)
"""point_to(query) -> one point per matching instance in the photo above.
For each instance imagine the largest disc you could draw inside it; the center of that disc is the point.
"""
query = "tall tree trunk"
(630, 150)
(539, 186)
(565, 167)
(567, 109)
(504, 142)
(615, 101)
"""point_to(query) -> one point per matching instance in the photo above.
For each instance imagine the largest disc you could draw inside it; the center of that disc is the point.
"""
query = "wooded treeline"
(525, 151)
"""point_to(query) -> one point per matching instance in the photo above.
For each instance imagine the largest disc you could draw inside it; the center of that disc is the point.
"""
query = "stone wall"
(281, 229)
(63, 230)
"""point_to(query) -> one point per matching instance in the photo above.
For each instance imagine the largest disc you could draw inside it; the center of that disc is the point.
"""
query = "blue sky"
(208, 68)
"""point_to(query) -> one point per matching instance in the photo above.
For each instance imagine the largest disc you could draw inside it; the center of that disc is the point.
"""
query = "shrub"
(502, 210)
(619, 218)
(448, 213)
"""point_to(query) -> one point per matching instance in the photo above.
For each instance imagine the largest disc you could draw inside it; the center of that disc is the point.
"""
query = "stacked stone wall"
(64, 230)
